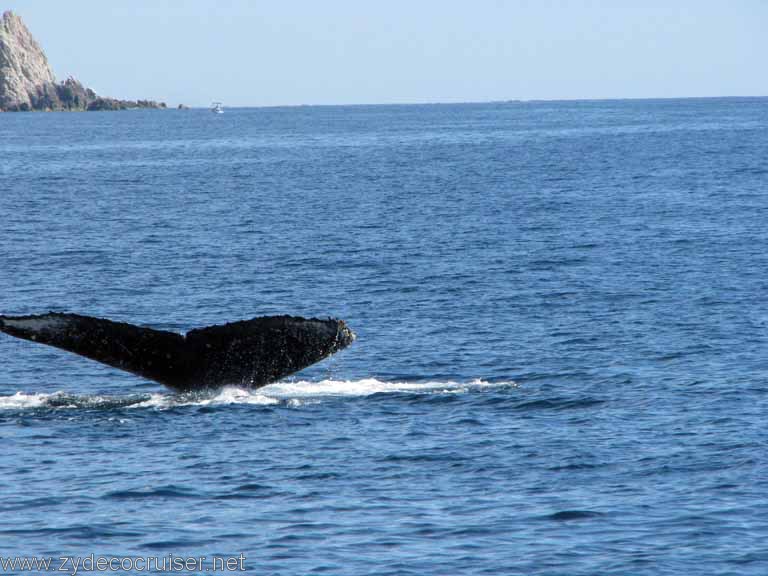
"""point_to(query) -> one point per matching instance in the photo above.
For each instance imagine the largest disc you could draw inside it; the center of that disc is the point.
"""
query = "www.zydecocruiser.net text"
(74, 565)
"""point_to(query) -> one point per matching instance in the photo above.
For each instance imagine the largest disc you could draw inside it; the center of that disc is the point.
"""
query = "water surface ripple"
(561, 313)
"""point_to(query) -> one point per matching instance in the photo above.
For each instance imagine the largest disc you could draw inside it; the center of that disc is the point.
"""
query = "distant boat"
(217, 108)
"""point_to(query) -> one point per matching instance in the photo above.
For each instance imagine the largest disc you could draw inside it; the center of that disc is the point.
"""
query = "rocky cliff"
(27, 82)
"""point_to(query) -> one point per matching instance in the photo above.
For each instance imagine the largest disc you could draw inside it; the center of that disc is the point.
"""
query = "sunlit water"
(561, 316)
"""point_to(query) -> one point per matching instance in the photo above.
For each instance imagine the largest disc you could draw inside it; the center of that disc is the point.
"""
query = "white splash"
(292, 394)
(20, 401)
(227, 395)
(368, 386)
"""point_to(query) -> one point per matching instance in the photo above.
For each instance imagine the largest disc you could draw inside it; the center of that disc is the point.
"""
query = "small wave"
(292, 394)
(567, 515)
(169, 491)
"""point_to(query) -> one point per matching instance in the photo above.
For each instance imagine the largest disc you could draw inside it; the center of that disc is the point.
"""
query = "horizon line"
(471, 102)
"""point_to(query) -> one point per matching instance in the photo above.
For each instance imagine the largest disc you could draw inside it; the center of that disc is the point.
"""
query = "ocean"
(561, 361)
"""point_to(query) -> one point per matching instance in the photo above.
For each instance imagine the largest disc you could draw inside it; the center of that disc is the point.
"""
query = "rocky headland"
(27, 82)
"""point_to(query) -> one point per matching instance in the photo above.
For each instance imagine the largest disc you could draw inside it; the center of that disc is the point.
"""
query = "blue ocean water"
(561, 359)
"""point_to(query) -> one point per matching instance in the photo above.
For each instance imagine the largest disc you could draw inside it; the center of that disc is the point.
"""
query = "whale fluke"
(250, 353)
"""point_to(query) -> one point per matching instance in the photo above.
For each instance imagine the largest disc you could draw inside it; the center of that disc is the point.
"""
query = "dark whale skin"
(248, 353)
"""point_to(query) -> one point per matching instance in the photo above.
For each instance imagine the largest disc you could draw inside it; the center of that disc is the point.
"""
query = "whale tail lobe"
(250, 353)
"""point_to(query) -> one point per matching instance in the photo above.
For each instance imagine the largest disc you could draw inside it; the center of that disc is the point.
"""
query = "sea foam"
(291, 393)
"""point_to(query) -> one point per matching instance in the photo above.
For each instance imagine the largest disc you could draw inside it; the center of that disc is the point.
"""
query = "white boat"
(217, 108)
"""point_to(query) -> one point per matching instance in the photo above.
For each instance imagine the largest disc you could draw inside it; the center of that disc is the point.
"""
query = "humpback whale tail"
(250, 353)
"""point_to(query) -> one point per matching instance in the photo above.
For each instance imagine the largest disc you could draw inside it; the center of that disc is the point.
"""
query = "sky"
(291, 52)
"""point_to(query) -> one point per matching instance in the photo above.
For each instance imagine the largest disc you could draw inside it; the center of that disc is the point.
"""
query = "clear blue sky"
(252, 52)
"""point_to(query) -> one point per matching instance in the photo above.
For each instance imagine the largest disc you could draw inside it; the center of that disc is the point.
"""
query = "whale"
(246, 353)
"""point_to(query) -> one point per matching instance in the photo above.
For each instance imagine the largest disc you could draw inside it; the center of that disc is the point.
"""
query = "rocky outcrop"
(27, 81)
(24, 71)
